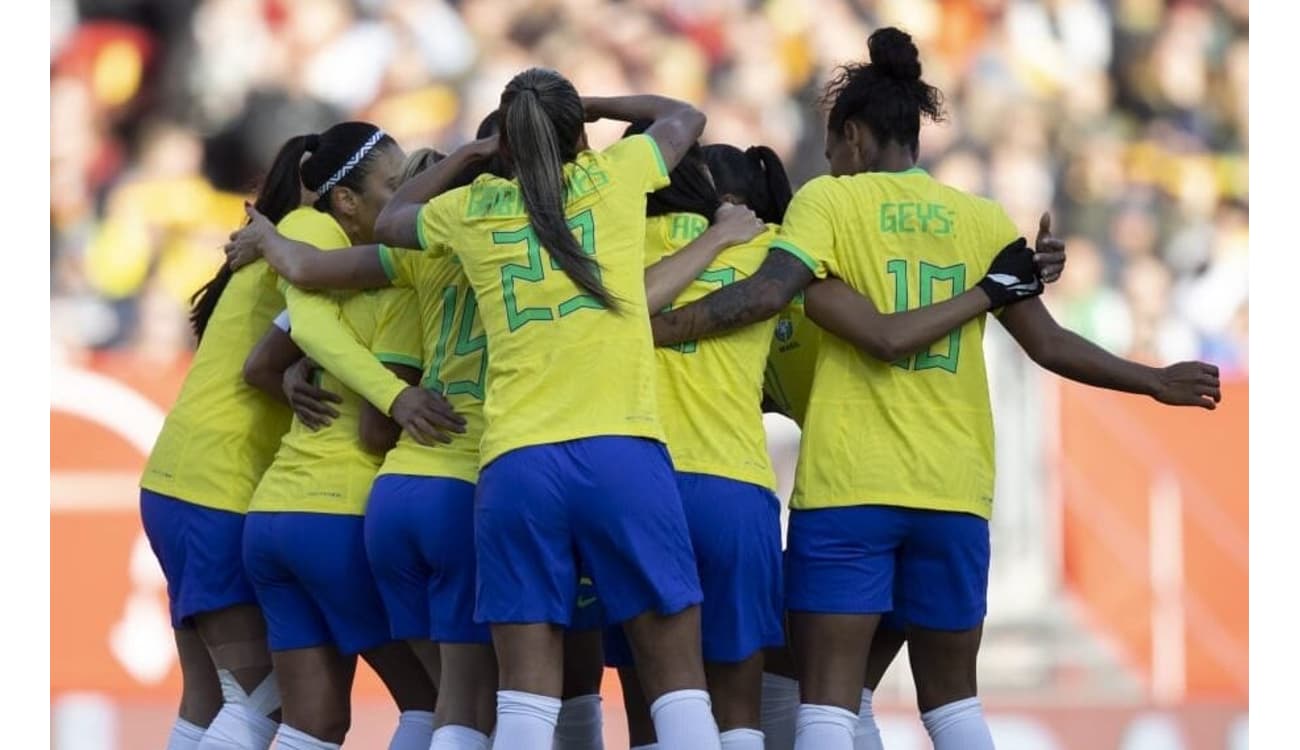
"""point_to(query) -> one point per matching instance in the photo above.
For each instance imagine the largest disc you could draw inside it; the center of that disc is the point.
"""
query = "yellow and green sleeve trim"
(803, 257)
(659, 157)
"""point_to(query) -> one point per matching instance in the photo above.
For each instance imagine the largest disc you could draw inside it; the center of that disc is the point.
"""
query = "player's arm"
(750, 300)
(398, 224)
(838, 308)
(1071, 356)
(302, 264)
(269, 359)
(378, 432)
(277, 367)
(732, 225)
(318, 329)
(675, 125)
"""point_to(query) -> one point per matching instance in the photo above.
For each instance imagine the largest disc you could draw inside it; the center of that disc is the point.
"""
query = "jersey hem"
(974, 507)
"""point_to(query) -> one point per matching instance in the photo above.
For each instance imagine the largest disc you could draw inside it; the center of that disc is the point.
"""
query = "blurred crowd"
(1126, 118)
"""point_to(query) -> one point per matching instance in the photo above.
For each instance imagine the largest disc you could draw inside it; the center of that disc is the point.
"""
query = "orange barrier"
(1156, 530)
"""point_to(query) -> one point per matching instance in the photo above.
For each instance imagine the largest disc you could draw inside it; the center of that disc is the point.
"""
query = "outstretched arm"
(397, 224)
(675, 125)
(756, 298)
(1071, 356)
(301, 264)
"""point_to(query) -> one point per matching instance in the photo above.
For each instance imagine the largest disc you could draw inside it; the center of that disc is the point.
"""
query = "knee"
(933, 691)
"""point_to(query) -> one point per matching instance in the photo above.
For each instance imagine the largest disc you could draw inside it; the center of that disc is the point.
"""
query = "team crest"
(784, 330)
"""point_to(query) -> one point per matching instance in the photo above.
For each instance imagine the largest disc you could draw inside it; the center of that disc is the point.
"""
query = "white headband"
(350, 163)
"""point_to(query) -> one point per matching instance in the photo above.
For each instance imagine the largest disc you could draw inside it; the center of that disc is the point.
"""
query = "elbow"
(254, 373)
(885, 349)
(695, 121)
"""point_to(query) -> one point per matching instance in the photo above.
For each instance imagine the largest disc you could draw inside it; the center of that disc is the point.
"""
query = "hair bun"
(894, 54)
(311, 142)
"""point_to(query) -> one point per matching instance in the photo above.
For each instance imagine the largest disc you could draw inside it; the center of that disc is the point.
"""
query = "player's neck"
(895, 159)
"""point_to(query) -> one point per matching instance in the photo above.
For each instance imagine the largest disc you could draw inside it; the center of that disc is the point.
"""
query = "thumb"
(1044, 227)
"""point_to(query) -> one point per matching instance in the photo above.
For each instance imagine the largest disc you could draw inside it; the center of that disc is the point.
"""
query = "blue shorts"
(314, 581)
(199, 550)
(610, 502)
(736, 533)
(419, 535)
(930, 567)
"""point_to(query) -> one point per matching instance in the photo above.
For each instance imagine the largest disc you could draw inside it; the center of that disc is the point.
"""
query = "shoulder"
(314, 227)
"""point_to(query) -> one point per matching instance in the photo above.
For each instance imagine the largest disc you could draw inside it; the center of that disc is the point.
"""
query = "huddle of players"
(542, 421)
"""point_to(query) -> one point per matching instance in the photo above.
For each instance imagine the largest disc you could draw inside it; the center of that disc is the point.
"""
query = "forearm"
(266, 363)
(308, 267)
(672, 274)
(1071, 356)
(838, 308)
(319, 331)
(632, 108)
(396, 224)
(734, 306)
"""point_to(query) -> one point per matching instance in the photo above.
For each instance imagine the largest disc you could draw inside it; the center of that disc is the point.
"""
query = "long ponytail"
(281, 192)
(543, 118)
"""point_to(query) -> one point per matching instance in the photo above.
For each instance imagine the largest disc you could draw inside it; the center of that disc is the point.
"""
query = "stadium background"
(1118, 593)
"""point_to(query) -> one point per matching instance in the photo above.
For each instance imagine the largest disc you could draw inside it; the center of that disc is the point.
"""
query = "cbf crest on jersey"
(784, 330)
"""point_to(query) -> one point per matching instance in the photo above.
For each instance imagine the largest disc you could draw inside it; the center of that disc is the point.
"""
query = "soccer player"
(216, 442)
(722, 469)
(895, 479)
(303, 538)
(573, 460)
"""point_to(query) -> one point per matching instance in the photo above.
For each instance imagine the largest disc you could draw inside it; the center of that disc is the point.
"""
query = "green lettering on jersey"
(934, 219)
(686, 227)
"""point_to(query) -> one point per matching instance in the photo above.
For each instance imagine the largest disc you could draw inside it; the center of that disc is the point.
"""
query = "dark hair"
(887, 94)
(493, 165)
(690, 188)
(281, 190)
(756, 176)
(542, 119)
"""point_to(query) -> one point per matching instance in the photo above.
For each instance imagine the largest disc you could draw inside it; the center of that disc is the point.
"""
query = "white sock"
(184, 736)
(238, 728)
(414, 731)
(292, 739)
(742, 739)
(780, 704)
(684, 721)
(579, 726)
(525, 721)
(867, 734)
(824, 728)
(457, 737)
(958, 725)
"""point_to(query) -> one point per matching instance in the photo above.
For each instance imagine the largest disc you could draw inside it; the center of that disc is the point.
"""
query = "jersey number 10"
(931, 275)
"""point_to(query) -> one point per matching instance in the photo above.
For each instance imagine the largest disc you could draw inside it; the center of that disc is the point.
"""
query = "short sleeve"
(397, 263)
(397, 329)
(638, 160)
(808, 231)
(435, 225)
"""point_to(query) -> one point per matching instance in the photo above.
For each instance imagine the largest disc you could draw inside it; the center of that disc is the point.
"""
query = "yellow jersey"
(918, 432)
(792, 360)
(562, 367)
(456, 361)
(328, 470)
(711, 391)
(222, 433)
